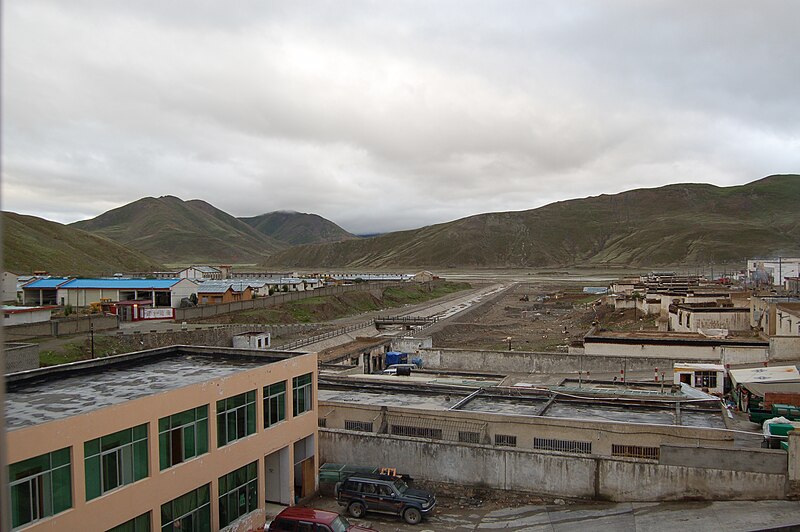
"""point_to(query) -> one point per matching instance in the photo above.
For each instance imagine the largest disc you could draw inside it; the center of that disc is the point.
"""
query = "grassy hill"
(675, 224)
(176, 231)
(297, 228)
(31, 243)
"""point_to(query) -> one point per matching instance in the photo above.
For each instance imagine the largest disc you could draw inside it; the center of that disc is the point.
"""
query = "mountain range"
(666, 226)
(670, 225)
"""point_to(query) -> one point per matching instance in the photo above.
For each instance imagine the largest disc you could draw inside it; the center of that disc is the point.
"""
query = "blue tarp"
(396, 357)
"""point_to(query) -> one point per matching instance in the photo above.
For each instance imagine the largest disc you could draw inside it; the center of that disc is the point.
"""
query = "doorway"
(305, 469)
(276, 476)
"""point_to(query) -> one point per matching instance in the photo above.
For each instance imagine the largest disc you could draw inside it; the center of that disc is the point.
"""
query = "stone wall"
(61, 327)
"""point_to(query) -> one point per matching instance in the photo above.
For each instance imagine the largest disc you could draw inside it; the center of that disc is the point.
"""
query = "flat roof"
(8, 309)
(57, 392)
(666, 338)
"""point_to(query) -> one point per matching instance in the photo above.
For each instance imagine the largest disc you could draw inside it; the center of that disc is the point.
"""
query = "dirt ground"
(537, 317)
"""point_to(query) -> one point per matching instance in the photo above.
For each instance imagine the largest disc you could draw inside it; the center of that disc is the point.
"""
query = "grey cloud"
(385, 116)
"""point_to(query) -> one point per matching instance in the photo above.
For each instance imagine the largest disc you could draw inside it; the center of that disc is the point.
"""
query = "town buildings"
(180, 438)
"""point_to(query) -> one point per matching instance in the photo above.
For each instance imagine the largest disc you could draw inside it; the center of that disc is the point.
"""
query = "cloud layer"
(389, 115)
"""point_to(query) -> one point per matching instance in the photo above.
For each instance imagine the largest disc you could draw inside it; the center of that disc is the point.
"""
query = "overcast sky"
(389, 115)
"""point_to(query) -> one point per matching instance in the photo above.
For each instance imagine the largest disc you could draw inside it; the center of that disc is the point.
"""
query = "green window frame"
(115, 460)
(191, 512)
(238, 494)
(40, 486)
(137, 524)
(302, 394)
(236, 417)
(274, 403)
(182, 436)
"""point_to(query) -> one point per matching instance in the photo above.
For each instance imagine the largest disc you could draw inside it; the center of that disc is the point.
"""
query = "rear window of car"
(282, 525)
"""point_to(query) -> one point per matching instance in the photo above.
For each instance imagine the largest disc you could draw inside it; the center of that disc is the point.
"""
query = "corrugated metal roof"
(216, 287)
(123, 284)
(205, 269)
(46, 283)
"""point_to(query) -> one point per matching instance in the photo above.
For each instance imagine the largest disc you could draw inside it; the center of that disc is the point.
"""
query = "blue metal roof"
(46, 283)
(122, 284)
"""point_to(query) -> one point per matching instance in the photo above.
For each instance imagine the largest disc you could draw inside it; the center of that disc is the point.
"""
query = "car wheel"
(356, 509)
(412, 516)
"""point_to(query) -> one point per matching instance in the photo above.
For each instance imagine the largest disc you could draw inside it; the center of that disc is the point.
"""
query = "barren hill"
(297, 227)
(31, 243)
(675, 224)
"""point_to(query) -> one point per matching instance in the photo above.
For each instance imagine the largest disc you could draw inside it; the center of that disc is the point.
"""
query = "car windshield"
(400, 485)
(339, 524)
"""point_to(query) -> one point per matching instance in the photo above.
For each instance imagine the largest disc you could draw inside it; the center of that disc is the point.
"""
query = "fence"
(324, 336)
(207, 311)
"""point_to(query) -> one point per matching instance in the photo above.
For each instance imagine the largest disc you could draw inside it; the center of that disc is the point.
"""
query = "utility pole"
(91, 335)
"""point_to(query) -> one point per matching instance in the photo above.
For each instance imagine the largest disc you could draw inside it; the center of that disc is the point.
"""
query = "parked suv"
(296, 519)
(371, 492)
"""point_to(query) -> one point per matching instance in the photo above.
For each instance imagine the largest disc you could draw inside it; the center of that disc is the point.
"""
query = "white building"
(10, 287)
(772, 271)
(20, 315)
(710, 376)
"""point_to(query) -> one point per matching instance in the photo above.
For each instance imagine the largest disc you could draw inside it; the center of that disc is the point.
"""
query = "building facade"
(187, 438)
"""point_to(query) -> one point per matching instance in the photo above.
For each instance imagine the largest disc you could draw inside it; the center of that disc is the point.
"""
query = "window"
(705, 379)
(274, 403)
(40, 487)
(465, 436)
(322, 422)
(238, 494)
(301, 390)
(635, 451)
(505, 439)
(188, 513)
(363, 426)
(565, 446)
(137, 524)
(417, 432)
(236, 417)
(182, 436)
(115, 460)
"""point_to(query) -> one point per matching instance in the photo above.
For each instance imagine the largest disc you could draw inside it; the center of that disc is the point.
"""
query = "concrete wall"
(602, 435)
(689, 321)
(61, 327)
(784, 348)
(726, 354)
(21, 357)
(525, 361)
(207, 311)
(547, 473)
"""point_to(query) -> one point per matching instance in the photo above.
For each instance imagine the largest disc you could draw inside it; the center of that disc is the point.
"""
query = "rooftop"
(52, 393)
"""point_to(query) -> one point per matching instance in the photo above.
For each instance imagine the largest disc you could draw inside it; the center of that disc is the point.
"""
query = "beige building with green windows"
(179, 438)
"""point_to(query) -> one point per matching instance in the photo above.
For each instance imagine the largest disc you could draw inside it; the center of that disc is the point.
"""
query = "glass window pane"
(163, 424)
(62, 489)
(91, 447)
(93, 486)
(140, 461)
(188, 442)
(202, 436)
(163, 450)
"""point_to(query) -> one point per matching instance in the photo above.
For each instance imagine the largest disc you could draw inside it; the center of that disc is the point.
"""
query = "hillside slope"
(31, 243)
(171, 230)
(297, 227)
(675, 224)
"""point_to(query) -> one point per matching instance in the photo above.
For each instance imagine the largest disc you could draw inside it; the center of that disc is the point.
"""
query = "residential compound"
(180, 438)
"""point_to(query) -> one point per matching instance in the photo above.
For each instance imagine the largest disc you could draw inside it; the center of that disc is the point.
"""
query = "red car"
(296, 519)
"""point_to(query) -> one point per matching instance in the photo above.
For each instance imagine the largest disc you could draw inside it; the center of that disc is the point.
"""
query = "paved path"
(728, 516)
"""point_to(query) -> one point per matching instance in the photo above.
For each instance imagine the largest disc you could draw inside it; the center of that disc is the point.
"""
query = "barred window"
(505, 439)
(418, 432)
(322, 422)
(635, 451)
(465, 436)
(565, 446)
(363, 426)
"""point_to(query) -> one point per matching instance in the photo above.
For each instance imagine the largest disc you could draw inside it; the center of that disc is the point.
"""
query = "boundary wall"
(535, 362)
(562, 474)
(207, 311)
(60, 327)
